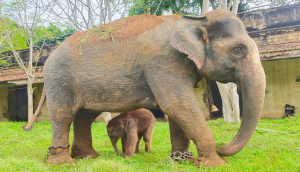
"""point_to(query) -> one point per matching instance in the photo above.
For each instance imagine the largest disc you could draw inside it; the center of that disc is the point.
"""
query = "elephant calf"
(131, 127)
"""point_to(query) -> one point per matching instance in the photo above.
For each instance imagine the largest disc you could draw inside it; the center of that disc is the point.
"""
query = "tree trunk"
(230, 102)
(235, 6)
(90, 15)
(125, 8)
(226, 103)
(106, 117)
(234, 97)
(30, 99)
(30, 78)
(222, 4)
(101, 19)
(109, 13)
(75, 18)
(205, 6)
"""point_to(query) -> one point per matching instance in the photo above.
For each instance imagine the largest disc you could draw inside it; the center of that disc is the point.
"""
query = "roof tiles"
(295, 45)
(19, 77)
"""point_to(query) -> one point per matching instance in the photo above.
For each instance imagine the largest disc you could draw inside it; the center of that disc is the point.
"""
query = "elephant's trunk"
(251, 78)
(114, 143)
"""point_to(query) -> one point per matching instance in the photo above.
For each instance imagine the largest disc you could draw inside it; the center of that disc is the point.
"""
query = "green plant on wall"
(4, 63)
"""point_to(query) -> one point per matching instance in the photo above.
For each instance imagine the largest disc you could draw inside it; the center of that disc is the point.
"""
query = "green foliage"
(52, 35)
(175, 6)
(274, 150)
(49, 35)
(193, 6)
(3, 63)
(17, 35)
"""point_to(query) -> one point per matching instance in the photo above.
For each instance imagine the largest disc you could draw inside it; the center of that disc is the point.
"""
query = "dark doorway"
(217, 99)
(21, 103)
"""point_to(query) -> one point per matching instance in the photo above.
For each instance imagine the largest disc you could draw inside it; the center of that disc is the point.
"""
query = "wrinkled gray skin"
(155, 68)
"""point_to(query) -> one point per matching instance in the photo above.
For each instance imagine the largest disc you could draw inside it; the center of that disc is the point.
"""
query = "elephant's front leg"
(124, 143)
(132, 139)
(179, 139)
(175, 96)
(187, 114)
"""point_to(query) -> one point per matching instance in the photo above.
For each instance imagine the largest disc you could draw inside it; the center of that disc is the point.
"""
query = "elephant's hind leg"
(148, 136)
(82, 143)
(61, 119)
(137, 148)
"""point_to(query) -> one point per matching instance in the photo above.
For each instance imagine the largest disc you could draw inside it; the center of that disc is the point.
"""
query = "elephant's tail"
(31, 123)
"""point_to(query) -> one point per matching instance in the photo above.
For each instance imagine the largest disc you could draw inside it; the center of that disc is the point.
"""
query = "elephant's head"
(222, 50)
(116, 129)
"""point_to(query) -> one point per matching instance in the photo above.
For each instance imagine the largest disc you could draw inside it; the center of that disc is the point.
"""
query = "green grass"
(277, 149)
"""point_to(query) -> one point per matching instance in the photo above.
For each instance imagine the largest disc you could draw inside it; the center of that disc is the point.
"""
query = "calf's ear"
(125, 124)
(128, 124)
(190, 36)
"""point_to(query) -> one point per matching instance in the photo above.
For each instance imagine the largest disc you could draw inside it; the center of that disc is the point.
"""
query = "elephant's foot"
(209, 161)
(83, 153)
(148, 148)
(191, 159)
(60, 156)
(57, 160)
(128, 155)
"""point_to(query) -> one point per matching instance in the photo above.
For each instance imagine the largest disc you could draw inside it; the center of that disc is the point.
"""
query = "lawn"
(275, 146)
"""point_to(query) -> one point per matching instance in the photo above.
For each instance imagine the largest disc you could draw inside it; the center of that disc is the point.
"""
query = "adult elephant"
(150, 61)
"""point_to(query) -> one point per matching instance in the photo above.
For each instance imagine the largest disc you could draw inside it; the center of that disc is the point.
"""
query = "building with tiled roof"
(13, 89)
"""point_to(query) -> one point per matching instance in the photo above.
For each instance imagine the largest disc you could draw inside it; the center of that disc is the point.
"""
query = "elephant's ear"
(189, 37)
(127, 124)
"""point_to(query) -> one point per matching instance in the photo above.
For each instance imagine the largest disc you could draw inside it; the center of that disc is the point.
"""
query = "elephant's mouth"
(224, 76)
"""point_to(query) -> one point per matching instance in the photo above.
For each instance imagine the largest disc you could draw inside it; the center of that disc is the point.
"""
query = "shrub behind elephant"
(131, 127)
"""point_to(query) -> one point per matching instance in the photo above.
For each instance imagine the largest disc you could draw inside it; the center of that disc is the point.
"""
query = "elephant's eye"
(238, 51)
(239, 48)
